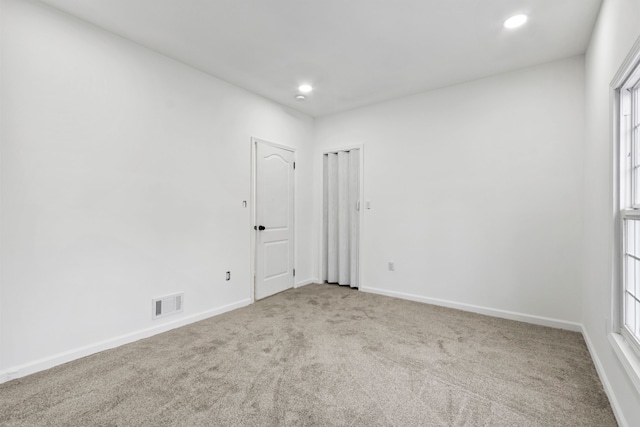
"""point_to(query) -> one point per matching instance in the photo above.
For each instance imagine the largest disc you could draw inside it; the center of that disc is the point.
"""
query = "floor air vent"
(165, 306)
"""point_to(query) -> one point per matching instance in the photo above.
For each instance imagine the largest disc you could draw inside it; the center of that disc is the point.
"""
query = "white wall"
(123, 175)
(617, 29)
(475, 192)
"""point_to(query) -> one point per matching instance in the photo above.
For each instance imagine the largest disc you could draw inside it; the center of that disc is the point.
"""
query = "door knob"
(260, 227)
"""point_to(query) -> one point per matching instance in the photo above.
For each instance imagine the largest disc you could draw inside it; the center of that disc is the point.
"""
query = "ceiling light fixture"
(515, 21)
(305, 88)
(300, 97)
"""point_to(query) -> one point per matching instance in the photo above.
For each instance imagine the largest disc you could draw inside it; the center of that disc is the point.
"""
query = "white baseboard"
(615, 405)
(67, 356)
(494, 312)
(305, 283)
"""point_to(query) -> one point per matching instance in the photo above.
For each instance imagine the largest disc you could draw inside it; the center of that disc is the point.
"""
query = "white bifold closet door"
(341, 217)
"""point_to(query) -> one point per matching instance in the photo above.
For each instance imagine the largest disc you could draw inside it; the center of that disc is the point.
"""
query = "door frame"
(254, 212)
(361, 216)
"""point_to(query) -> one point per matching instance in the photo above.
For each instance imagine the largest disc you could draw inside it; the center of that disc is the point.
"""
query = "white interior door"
(274, 219)
(341, 218)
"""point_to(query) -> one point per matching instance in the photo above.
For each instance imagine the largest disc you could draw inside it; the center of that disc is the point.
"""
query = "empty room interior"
(288, 212)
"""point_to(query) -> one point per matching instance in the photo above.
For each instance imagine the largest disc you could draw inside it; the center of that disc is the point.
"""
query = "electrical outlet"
(392, 266)
(228, 275)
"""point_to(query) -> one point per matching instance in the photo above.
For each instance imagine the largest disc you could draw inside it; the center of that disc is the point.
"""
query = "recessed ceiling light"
(300, 97)
(305, 88)
(515, 21)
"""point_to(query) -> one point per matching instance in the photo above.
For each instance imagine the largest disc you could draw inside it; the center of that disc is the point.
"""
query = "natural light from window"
(630, 201)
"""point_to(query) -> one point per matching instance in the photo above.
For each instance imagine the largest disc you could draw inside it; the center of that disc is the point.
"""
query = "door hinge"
(294, 272)
(294, 165)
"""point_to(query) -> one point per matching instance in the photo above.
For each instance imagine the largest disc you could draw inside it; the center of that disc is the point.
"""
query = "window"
(629, 121)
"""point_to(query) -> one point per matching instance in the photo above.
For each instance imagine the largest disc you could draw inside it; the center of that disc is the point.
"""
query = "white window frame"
(630, 336)
(626, 149)
(629, 122)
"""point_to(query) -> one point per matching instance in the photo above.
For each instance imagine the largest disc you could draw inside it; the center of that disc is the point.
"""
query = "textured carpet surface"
(325, 355)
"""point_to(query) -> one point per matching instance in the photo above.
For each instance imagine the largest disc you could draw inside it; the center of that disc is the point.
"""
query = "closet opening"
(342, 177)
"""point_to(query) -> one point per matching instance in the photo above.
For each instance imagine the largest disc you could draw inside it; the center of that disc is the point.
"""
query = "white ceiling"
(354, 52)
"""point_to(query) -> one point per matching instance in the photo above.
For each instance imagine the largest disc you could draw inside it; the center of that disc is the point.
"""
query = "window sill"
(627, 357)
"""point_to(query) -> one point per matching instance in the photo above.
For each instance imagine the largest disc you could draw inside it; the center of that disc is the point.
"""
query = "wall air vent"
(165, 306)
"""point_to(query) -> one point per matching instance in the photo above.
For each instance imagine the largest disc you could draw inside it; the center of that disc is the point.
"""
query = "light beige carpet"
(325, 355)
